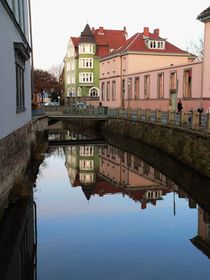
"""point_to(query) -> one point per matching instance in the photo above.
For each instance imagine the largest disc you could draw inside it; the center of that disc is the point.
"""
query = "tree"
(43, 80)
(56, 70)
(197, 48)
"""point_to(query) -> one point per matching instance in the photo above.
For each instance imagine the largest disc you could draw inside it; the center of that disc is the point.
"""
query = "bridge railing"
(191, 120)
(70, 110)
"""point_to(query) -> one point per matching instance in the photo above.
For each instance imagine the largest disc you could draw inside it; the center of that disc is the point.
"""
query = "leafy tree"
(43, 80)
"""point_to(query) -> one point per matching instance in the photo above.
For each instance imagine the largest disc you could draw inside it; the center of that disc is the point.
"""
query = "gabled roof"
(137, 43)
(205, 15)
(75, 40)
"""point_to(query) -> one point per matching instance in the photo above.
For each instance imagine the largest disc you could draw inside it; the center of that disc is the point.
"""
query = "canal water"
(101, 212)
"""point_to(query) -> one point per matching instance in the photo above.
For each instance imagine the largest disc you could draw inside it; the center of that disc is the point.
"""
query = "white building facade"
(15, 70)
(15, 92)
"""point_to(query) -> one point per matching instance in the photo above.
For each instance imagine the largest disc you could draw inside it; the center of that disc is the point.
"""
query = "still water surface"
(105, 214)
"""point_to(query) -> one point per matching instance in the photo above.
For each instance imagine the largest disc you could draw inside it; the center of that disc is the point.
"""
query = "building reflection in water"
(18, 238)
(202, 240)
(103, 170)
(18, 223)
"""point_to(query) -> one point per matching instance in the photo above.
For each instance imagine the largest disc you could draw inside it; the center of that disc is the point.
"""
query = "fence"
(191, 120)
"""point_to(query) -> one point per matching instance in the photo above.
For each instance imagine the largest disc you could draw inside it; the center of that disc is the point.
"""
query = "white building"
(15, 91)
(15, 70)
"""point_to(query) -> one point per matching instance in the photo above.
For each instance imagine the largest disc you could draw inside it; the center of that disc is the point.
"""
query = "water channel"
(99, 211)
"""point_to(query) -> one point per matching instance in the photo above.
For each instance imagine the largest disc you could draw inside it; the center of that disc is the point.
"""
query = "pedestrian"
(200, 111)
(179, 106)
(190, 115)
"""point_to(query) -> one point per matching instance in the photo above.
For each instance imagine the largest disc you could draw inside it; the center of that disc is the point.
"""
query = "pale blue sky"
(55, 21)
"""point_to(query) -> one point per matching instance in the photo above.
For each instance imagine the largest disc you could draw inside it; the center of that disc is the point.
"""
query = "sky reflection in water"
(111, 237)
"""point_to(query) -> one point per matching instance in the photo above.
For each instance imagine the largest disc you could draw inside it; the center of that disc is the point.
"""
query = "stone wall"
(192, 148)
(15, 152)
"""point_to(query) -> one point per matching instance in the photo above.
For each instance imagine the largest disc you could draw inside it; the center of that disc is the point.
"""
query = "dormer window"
(155, 44)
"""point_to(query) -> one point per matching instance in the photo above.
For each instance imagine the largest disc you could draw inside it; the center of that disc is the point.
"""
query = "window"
(103, 91)
(173, 81)
(86, 150)
(187, 83)
(160, 85)
(129, 87)
(73, 79)
(86, 48)
(136, 88)
(86, 164)
(86, 177)
(108, 91)
(21, 55)
(73, 66)
(79, 91)
(86, 77)
(18, 10)
(86, 63)
(146, 86)
(68, 66)
(153, 44)
(113, 90)
(68, 79)
(93, 92)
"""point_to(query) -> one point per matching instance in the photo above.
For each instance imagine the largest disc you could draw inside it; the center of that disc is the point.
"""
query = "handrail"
(190, 120)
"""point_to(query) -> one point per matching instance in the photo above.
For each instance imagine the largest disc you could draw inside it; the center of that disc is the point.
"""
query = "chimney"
(146, 31)
(125, 32)
(156, 32)
(101, 30)
(93, 29)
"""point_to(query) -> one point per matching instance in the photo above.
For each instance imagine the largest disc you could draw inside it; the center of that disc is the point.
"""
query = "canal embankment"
(187, 146)
(15, 152)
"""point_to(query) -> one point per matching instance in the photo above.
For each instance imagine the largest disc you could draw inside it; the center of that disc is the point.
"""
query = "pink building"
(149, 72)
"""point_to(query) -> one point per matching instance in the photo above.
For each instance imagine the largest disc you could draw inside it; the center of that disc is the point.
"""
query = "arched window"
(94, 92)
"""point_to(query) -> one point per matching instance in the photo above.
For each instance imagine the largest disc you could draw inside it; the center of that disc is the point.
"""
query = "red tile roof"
(106, 40)
(137, 44)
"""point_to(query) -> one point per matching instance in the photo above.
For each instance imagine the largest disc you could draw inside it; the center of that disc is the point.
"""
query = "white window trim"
(86, 48)
(86, 62)
(86, 77)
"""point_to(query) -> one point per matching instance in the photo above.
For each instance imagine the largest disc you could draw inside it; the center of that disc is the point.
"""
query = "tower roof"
(87, 35)
(205, 15)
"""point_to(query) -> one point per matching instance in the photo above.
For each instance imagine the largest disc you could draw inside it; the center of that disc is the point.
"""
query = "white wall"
(9, 119)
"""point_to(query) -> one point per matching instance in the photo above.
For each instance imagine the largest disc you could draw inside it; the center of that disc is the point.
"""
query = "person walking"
(179, 106)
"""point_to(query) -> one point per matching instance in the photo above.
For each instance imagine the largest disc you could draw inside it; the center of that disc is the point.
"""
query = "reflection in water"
(145, 235)
(18, 238)
(102, 170)
(18, 224)
(202, 240)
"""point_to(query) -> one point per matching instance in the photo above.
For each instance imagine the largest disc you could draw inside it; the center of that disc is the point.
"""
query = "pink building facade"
(149, 72)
